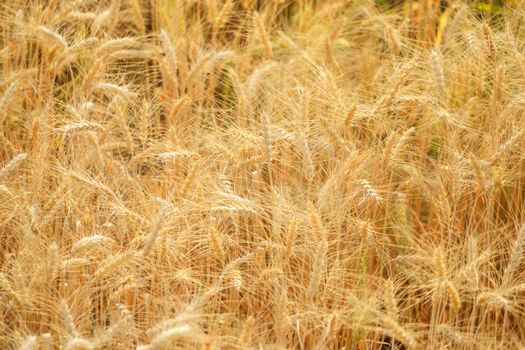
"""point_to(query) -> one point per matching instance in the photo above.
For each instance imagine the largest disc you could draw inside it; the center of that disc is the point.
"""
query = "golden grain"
(261, 174)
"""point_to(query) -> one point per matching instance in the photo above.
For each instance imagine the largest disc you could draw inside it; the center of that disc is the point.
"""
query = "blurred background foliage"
(427, 19)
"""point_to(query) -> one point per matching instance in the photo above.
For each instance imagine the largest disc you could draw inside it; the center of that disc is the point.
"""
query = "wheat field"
(277, 174)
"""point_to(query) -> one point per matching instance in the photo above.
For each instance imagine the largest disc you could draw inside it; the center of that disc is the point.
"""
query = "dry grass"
(223, 174)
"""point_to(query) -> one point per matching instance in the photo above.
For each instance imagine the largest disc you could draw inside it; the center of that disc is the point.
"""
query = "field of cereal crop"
(277, 174)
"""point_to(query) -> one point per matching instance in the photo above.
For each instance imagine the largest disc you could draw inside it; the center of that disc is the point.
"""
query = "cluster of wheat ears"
(219, 174)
